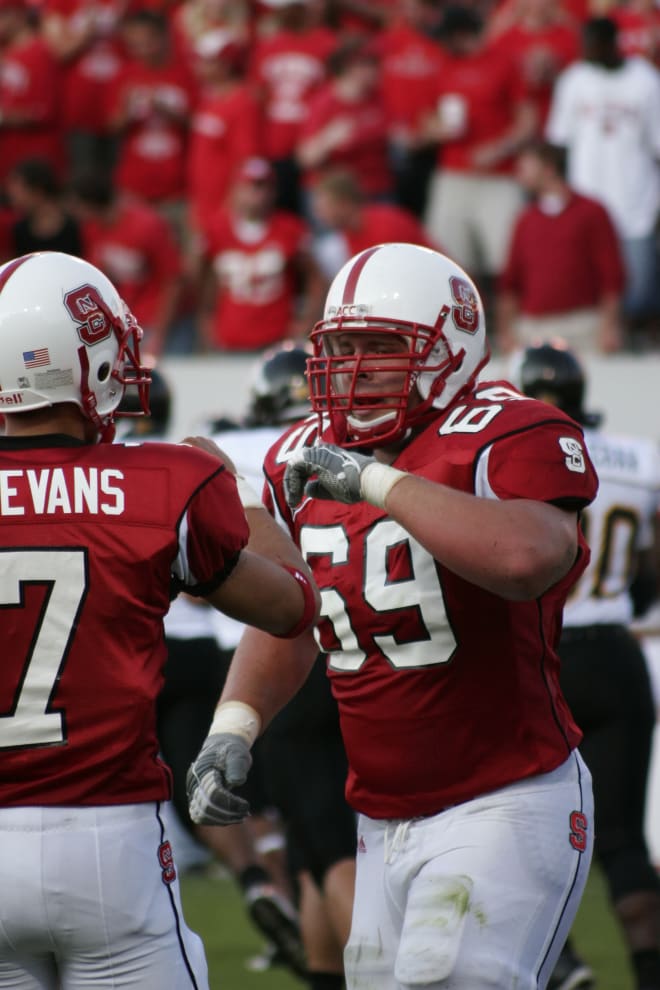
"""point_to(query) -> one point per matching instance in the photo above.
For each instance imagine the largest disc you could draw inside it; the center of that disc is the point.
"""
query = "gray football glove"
(337, 473)
(223, 762)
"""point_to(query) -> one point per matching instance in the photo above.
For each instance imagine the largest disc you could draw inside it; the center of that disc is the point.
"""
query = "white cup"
(453, 114)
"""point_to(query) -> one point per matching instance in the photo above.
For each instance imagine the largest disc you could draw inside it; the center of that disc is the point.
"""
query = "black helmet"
(160, 405)
(553, 373)
(279, 392)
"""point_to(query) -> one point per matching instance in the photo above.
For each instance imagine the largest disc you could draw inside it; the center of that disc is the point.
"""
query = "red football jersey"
(137, 250)
(153, 149)
(256, 277)
(411, 62)
(365, 151)
(29, 85)
(541, 56)
(445, 690)
(489, 85)
(288, 66)
(639, 32)
(89, 73)
(92, 538)
(224, 131)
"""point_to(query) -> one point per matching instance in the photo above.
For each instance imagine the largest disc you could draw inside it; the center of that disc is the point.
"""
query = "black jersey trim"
(42, 441)
(205, 587)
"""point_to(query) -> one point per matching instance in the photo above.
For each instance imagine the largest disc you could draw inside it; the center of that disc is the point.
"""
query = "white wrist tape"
(246, 493)
(376, 482)
(237, 718)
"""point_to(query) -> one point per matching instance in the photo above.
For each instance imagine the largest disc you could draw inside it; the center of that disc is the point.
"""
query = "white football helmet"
(66, 336)
(419, 296)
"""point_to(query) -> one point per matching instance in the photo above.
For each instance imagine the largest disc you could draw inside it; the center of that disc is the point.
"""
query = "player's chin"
(366, 410)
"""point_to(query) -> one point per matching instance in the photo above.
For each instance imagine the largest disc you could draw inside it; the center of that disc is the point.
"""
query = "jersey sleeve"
(211, 534)
(548, 463)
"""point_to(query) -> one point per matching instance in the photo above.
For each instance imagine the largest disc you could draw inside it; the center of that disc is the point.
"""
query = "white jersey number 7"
(63, 571)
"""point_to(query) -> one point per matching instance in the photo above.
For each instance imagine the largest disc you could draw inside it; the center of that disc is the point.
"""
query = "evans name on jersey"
(57, 490)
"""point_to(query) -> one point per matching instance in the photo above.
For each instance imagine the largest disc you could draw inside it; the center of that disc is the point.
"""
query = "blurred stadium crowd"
(220, 159)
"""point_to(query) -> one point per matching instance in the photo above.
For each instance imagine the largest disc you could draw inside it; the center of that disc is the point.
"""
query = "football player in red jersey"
(94, 538)
(439, 515)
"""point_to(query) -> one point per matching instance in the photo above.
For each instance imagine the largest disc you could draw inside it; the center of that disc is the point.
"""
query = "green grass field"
(215, 910)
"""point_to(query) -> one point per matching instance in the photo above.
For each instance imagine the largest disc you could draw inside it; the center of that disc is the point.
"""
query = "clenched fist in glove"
(342, 475)
(222, 764)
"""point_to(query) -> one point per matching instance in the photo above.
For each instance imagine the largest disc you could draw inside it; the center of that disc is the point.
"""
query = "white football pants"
(90, 899)
(482, 895)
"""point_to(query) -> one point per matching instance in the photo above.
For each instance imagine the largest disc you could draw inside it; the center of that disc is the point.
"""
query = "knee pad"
(433, 927)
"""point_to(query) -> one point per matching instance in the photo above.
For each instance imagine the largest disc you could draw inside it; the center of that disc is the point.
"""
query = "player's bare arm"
(260, 592)
(266, 672)
(515, 548)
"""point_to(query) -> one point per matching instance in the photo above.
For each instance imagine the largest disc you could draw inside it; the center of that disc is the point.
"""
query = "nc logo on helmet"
(466, 314)
(90, 313)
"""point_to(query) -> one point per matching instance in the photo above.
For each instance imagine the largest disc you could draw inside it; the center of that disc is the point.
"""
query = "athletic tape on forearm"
(376, 482)
(238, 718)
(246, 493)
(309, 608)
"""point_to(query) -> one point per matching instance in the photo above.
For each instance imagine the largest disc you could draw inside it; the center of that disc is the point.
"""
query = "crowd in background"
(219, 160)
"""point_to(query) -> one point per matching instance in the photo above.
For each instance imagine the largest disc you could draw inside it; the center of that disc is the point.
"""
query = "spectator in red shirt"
(29, 91)
(565, 274)
(347, 122)
(82, 37)
(259, 282)
(287, 65)
(225, 124)
(483, 116)
(411, 61)
(134, 246)
(350, 225)
(151, 109)
(638, 22)
(544, 40)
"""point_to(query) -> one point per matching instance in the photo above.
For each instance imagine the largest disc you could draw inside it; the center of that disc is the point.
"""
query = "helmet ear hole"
(103, 372)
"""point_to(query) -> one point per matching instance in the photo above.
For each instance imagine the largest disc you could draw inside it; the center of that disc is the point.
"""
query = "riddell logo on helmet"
(349, 309)
(11, 399)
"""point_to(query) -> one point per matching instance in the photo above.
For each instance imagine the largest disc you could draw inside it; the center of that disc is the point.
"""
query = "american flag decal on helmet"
(36, 358)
